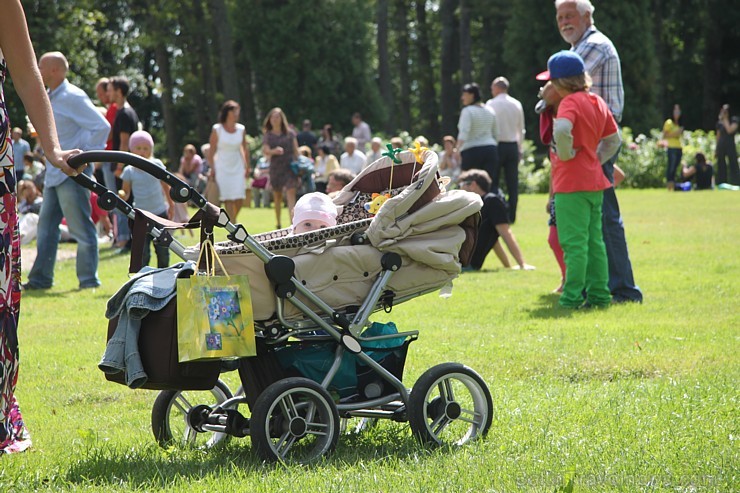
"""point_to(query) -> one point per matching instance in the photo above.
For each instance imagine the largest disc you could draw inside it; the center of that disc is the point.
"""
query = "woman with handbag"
(280, 146)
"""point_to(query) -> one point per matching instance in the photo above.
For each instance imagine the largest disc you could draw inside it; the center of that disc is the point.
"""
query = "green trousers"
(586, 266)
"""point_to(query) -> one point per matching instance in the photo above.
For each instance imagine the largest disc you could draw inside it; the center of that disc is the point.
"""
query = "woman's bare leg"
(277, 199)
(290, 195)
(229, 207)
(238, 203)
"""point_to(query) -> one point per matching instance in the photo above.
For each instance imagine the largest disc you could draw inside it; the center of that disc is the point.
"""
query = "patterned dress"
(281, 176)
(13, 434)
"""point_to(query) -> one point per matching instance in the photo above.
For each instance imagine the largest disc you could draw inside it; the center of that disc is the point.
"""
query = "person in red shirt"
(585, 135)
(101, 89)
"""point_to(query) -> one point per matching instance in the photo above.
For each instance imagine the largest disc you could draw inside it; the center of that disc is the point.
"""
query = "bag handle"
(210, 259)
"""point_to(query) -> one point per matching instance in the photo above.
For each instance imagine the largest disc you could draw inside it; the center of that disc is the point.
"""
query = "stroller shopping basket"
(313, 359)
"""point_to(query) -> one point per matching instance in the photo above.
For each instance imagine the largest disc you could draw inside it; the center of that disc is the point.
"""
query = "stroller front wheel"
(450, 404)
(170, 411)
(294, 420)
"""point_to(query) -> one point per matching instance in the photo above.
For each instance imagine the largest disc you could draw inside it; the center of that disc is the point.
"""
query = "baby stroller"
(319, 358)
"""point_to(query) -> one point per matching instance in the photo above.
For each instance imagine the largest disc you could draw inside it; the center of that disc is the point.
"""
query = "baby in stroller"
(321, 287)
(313, 211)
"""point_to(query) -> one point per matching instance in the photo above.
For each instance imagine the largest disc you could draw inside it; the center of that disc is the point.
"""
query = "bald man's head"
(53, 67)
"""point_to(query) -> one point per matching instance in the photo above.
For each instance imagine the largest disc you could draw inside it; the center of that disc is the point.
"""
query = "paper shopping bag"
(214, 318)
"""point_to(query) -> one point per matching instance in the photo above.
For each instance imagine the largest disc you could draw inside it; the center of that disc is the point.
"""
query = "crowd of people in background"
(583, 91)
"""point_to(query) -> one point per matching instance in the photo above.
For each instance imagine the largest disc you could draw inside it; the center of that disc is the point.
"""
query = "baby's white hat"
(315, 206)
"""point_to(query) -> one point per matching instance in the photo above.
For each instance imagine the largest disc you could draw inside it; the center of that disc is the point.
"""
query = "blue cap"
(564, 63)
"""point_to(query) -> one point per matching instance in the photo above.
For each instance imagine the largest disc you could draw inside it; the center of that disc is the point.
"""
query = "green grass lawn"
(631, 398)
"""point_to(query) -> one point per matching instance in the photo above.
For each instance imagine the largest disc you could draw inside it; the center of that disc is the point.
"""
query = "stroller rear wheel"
(294, 420)
(170, 411)
(450, 404)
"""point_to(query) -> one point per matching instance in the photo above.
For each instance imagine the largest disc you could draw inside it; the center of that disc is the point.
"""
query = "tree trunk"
(168, 110)
(222, 26)
(489, 67)
(428, 104)
(466, 61)
(384, 68)
(712, 68)
(209, 111)
(448, 67)
(250, 110)
(658, 26)
(401, 27)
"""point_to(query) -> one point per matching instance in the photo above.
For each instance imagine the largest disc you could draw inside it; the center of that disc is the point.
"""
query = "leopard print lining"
(276, 241)
(353, 218)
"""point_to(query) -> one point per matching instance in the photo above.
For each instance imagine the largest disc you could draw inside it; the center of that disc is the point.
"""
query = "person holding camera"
(726, 152)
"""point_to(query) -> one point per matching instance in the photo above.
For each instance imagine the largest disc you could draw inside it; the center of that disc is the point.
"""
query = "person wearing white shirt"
(79, 125)
(510, 120)
(352, 159)
(477, 132)
(361, 132)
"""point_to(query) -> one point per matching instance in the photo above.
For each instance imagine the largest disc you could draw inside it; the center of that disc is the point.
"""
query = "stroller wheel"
(294, 420)
(170, 411)
(450, 404)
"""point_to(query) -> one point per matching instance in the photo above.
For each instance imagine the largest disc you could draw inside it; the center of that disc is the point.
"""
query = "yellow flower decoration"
(418, 150)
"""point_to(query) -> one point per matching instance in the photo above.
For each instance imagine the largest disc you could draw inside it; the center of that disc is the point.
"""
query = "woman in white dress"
(229, 156)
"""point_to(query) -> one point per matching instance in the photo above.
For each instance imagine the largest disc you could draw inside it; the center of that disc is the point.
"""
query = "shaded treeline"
(400, 63)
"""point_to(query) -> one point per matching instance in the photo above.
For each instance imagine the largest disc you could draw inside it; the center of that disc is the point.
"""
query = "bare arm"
(501, 254)
(18, 51)
(170, 202)
(508, 236)
(213, 142)
(245, 156)
(125, 191)
(268, 151)
(125, 136)
(729, 127)
(618, 175)
(123, 147)
(676, 131)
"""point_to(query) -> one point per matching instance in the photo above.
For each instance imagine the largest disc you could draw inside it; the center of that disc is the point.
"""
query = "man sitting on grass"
(494, 223)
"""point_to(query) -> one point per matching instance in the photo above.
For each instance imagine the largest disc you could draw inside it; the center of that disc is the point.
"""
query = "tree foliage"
(400, 64)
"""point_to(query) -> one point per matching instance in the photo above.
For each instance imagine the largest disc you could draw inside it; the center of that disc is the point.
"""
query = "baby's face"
(309, 225)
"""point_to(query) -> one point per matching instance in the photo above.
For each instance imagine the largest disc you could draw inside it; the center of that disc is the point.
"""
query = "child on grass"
(150, 194)
(585, 135)
(494, 223)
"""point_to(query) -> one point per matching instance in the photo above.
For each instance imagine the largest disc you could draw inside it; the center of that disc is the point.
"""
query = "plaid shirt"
(602, 64)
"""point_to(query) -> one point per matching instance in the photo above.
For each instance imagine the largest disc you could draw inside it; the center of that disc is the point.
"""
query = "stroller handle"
(179, 190)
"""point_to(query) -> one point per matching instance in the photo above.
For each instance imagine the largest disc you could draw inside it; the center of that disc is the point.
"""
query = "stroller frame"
(312, 401)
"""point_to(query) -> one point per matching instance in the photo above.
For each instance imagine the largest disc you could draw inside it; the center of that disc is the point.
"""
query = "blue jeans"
(163, 253)
(122, 228)
(674, 160)
(71, 201)
(621, 281)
